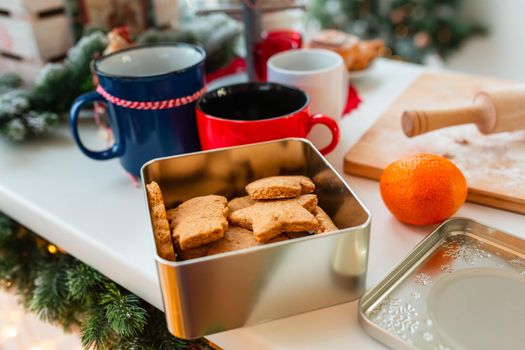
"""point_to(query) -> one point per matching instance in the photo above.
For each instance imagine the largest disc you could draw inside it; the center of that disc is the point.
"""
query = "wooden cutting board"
(494, 165)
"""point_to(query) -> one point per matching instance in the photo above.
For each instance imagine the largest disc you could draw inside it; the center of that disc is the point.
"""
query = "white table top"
(90, 209)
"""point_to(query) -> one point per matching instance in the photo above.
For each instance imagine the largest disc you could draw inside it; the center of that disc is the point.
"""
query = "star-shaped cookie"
(240, 203)
(270, 218)
(235, 238)
(325, 223)
(275, 187)
(199, 220)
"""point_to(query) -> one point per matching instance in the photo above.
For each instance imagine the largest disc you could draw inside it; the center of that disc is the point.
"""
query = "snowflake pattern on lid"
(395, 316)
(423, 279)
(442, 347)
(519, 264)
(464, 248)
(412, 323)
(428, 336)
(446, 268)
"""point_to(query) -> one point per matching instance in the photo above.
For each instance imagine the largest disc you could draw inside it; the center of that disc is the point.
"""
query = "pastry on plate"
(358, 54)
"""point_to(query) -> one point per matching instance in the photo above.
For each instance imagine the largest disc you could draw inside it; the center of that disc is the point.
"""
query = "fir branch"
(218, 34)
(134, 343)
(7, 227)
(123, 311)
(17, 252)
(60, 83)
(50, 295)
(40, 122)
(95, 331)
(30, 112)
(9, 81)
(17, 119)
(52, 285)
(162, 339)
(83, 282)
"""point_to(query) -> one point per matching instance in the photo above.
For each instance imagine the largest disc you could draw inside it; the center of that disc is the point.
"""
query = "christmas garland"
(18, 118)
(62, 290)
(27, 112)
(35, 111)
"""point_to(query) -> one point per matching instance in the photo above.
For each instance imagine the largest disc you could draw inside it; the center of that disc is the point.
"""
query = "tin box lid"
(462, 287)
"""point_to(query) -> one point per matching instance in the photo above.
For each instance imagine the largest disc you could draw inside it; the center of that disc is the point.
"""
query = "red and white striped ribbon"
(150, 105)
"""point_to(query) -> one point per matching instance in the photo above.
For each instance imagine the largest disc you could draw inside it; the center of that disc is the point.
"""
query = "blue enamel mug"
(150, 94)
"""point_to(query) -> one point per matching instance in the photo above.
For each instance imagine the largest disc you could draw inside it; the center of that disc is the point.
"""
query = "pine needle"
(125, 315)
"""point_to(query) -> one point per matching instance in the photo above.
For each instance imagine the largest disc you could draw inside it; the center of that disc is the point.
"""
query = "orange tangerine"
(423, 189)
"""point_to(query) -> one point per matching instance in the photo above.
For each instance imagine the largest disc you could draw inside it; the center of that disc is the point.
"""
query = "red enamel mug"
(255, 112)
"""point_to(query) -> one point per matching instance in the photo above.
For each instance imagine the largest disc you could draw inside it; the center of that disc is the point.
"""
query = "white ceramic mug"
(321, 74)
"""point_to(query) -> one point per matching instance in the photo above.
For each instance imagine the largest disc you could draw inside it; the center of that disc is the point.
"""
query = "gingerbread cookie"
(194, 253)
(280, 238)
(307, 201)
(240, 203)
(199, 220)
(275, 187)
(161, 228)
(325, 223)
(235, 238)
(170, 214)
(270, 218)
(294, 235)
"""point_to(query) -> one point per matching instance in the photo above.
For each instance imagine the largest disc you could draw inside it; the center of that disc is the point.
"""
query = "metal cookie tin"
(462, 287)
(221, 292)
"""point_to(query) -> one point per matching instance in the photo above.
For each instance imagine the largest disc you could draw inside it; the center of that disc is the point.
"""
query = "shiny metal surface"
(462, 287)
(221, 292)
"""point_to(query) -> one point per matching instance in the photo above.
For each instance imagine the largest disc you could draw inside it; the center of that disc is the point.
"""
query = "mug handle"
(330, 124)
(116, 150)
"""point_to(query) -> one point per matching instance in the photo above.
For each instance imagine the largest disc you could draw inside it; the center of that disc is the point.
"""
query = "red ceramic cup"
(255, 112)
(273, 42)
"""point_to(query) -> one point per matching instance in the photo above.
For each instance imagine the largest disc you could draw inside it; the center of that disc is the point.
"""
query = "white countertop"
(91, 209)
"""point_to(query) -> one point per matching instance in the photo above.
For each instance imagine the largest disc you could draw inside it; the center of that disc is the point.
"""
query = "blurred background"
(49, 44)
(477, 36)
(36, 36)
(499, 53)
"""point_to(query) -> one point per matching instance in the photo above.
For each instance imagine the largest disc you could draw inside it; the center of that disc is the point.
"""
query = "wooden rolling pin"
(492, 111)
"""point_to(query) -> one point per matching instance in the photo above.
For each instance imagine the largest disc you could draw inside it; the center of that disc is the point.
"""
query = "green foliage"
(50, 297)
(30, 112)
(124, 314)
(96, 331)
(218, 34)
(64, 291)
(7, 229)
(18, 119)
(9, 81)
(413, 29)
(83, 282)
(60, 83)
(16, 255)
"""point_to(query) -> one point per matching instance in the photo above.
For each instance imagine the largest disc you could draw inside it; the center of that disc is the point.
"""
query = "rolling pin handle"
(411, 123)
(417, 122)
